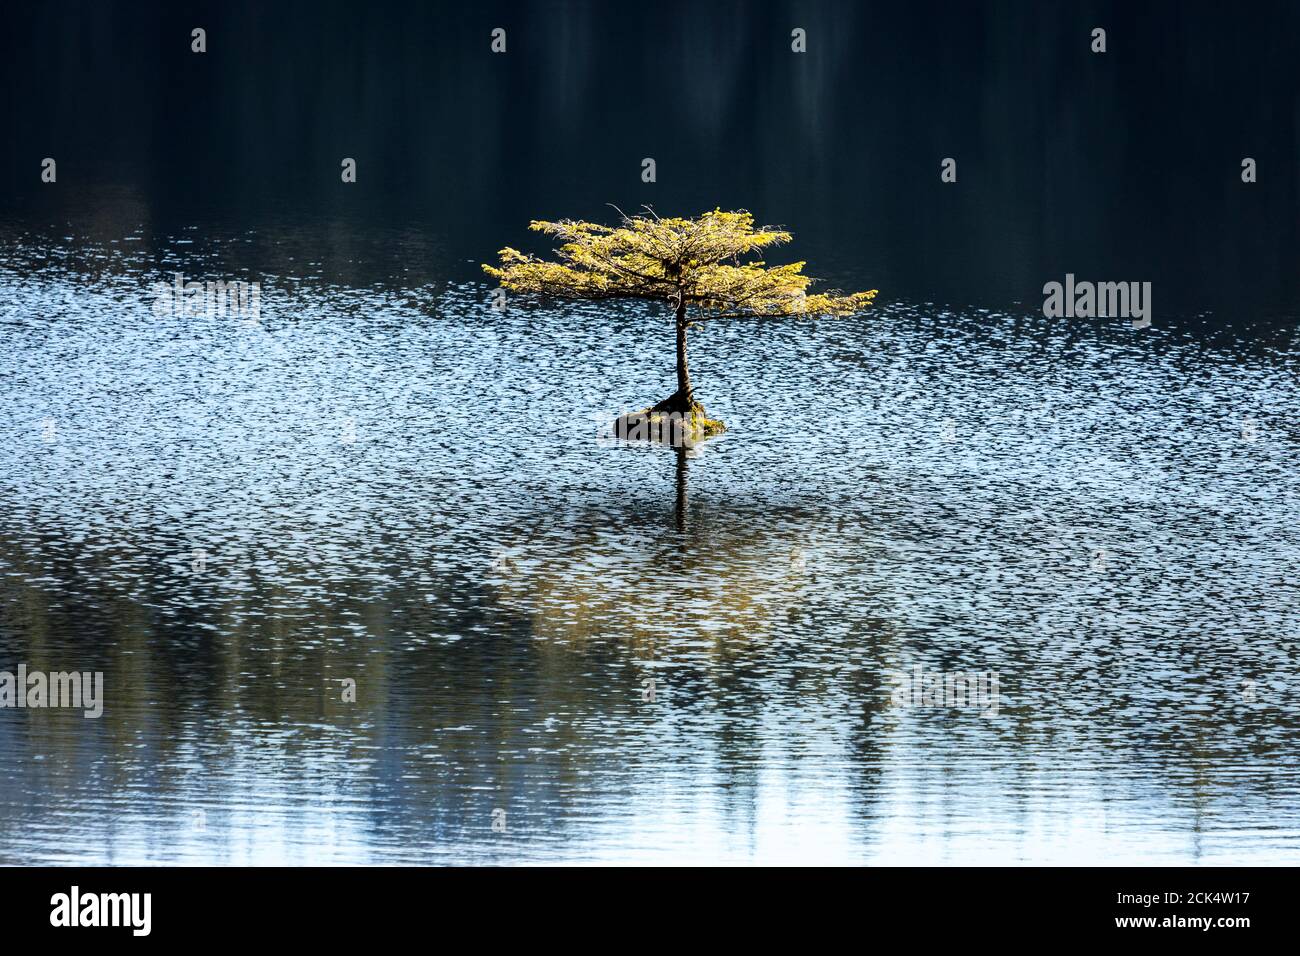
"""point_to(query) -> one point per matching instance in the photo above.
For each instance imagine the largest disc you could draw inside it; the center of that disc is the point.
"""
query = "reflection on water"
(637, 653)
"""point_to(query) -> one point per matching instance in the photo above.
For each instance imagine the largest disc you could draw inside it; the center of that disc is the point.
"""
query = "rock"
(677, 429)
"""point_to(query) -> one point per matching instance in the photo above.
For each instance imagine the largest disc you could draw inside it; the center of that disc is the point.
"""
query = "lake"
(369, 582)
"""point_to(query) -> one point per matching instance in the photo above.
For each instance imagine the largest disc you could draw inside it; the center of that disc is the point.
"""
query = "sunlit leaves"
(692, 261)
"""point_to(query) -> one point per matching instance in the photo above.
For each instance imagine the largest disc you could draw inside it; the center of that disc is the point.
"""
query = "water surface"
(408, 489)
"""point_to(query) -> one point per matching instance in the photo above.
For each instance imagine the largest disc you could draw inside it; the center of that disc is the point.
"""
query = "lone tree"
(692, 265)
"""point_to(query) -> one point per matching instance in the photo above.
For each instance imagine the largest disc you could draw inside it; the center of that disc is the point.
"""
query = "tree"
(693, 265)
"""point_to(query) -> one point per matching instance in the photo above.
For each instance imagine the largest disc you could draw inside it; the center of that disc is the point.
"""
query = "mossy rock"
(677, 429)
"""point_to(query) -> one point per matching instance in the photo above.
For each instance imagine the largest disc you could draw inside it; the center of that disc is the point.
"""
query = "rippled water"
(397, 485)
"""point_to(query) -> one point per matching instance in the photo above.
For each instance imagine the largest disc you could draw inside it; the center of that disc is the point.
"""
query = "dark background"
(1116, 167)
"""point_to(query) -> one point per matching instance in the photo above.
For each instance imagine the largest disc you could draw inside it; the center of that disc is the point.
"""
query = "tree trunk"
(682, 400)
(683, 368)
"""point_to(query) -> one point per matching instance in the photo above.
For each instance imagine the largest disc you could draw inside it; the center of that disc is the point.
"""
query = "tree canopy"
(684, 262)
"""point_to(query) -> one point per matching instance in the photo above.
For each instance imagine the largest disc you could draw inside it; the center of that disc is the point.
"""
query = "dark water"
(384, 480)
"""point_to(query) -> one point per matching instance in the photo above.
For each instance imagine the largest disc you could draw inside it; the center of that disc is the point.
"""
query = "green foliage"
(683, 262)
